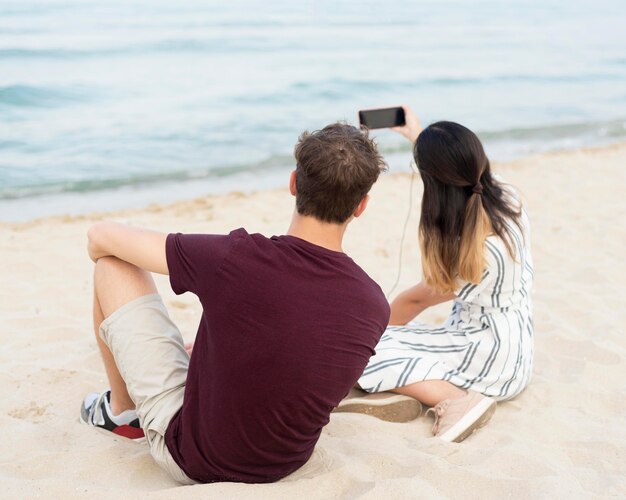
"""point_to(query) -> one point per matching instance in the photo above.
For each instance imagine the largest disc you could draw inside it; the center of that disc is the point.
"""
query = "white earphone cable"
(406, 223)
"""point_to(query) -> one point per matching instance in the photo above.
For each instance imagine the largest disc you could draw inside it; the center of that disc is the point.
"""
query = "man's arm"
(143, 248)
(413, 301)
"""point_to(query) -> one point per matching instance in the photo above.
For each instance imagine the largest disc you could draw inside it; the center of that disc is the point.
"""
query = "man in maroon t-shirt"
(288, 324)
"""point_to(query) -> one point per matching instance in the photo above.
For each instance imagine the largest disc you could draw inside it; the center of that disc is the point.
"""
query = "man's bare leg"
(116, 283)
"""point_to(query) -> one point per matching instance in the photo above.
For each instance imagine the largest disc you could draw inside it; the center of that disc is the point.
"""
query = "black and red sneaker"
(96, 411)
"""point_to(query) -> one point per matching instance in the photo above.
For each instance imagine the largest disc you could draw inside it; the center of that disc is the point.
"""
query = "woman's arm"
(412, 127)
(413, 301)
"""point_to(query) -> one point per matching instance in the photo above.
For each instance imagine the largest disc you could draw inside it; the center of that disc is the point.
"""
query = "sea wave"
(553, 137)
(251, 44)
(595, 132)
(606, 129)
(274, 162)
(34, 96)
(343, 88)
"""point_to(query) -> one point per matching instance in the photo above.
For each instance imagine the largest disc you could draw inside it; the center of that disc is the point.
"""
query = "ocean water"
(124, 103)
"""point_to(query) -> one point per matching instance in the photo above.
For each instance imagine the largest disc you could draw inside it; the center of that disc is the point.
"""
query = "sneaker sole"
(109, 433)
(474, 419)
(399, 410)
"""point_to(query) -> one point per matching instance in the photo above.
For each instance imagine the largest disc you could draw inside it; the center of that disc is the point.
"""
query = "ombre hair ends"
(462, 205)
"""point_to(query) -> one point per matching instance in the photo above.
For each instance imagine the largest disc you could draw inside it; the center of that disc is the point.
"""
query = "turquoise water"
(118, 103)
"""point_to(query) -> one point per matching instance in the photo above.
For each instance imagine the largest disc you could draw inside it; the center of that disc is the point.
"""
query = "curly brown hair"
(336, 168)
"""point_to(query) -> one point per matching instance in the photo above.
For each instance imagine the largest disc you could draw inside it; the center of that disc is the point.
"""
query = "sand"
(565, 436)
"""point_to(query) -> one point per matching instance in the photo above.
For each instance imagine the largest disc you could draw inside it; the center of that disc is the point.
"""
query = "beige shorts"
(150, 354)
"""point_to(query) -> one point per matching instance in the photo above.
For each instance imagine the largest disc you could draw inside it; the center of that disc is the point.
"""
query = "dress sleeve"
(193, 260)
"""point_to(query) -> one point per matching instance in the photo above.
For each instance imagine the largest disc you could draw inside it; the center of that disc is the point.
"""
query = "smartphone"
(382, 118)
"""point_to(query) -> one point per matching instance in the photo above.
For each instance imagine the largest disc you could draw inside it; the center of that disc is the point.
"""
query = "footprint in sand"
(53, 376)
(32, 412)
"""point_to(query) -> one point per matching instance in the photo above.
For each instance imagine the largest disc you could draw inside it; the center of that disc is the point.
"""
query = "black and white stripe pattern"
(487, 342)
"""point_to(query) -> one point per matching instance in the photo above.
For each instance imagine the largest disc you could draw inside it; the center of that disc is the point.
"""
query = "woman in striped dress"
(475, 244)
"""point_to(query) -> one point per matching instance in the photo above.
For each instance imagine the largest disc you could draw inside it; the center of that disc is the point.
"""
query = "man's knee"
(114, 269)
(117, 282)
(109, 264)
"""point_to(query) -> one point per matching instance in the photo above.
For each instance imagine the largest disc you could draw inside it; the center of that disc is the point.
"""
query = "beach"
(564, 437)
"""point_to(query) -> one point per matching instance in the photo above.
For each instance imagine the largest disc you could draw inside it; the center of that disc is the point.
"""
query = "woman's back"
(507, 280)
(497, 312)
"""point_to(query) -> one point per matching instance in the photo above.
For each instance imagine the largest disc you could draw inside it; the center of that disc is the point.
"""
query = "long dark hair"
(462, 205)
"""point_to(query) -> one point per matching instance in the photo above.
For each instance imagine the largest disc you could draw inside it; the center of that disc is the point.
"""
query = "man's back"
(287, 329)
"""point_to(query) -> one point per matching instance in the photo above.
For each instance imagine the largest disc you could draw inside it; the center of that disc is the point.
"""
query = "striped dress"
(487, 342)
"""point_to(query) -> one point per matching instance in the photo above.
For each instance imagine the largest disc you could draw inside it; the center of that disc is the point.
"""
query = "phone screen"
(382, 118)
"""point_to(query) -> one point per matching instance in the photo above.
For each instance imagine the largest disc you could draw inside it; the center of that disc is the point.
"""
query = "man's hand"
(189, 347)
(412, 127)
(145, 249)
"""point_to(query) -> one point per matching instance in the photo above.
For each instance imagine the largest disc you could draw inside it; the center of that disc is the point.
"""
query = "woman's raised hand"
(412, 127)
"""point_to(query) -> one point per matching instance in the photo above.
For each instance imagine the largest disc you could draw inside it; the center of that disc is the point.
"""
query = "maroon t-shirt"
(286, 330)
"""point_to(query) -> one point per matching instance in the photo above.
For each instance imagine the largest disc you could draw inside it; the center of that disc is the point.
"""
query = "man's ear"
(292, 183)
(361, 206)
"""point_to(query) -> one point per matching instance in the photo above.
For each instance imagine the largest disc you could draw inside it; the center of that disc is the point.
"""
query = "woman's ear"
(292, 183)
(362, 206)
